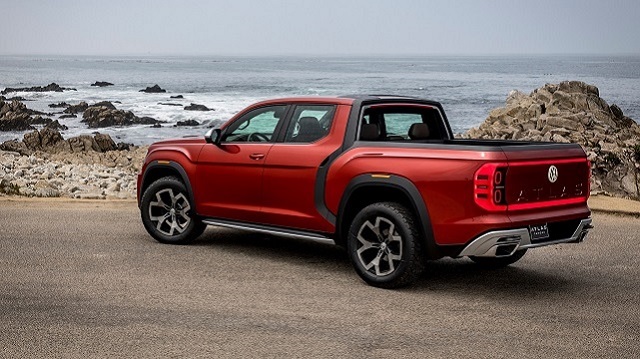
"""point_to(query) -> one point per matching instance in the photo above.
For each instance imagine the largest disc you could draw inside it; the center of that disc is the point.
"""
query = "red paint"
(274, 183)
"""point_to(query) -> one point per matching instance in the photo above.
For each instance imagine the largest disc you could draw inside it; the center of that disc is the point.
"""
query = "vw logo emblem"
(552, 174)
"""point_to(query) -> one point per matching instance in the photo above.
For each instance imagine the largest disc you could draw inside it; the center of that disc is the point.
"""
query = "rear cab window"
(402, 123)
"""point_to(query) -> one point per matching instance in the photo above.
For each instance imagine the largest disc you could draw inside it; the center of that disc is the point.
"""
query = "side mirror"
(213, 136)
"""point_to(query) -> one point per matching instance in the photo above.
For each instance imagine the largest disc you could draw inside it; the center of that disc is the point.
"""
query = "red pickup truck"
(381, 175)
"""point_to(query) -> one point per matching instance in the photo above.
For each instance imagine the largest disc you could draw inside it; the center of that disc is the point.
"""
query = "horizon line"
(318, 55)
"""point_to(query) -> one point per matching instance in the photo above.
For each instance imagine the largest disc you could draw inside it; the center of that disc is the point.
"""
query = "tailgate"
(544, 175)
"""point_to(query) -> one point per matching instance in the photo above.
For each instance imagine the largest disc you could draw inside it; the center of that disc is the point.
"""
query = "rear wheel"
(493, 262)
(167, 213)
(384, 245)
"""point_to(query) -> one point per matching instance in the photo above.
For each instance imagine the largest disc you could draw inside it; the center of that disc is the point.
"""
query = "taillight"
(489, 187)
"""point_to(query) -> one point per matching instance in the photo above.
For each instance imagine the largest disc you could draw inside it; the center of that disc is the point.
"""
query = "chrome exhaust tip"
(583, 233)
(496, 244)
(506, 250)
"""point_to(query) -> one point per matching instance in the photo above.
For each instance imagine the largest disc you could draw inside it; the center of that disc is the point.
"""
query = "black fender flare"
(410, 190)
(173, 165)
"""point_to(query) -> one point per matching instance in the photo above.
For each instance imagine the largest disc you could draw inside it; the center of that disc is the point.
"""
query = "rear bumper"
(503, 243)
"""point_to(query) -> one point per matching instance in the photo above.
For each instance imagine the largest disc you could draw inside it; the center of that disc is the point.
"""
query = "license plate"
(539, 232)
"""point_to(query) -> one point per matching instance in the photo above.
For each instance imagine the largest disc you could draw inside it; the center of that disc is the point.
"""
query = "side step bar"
(285, 232)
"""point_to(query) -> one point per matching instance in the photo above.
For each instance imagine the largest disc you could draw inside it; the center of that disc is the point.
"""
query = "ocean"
(468, 87)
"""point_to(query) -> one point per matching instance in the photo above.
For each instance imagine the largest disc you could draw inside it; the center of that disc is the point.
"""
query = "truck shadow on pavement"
(525, 279)
(289, 250)
(518, 281)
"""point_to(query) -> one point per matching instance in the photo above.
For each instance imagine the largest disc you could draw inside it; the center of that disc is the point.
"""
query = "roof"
(339, 100)
(307, 99)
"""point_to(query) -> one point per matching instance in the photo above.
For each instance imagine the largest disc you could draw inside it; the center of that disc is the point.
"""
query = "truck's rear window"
(401, 123)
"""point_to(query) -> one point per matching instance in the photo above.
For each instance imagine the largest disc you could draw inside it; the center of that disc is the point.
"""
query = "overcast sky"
(319, 27)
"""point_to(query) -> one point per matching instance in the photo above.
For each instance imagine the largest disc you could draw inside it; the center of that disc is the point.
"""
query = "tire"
(167, 213)
(492, 262)
(385, 247)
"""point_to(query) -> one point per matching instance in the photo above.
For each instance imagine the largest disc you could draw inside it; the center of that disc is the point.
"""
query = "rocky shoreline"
(44, 164)
(15, 116)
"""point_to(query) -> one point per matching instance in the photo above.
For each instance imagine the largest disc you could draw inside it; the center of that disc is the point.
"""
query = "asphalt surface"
(83, 279)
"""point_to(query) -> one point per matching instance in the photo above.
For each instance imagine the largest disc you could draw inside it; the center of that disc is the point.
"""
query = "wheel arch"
(366, 189)
(158, 169)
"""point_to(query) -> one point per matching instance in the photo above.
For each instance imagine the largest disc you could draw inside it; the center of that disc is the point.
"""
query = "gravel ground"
(85, 175)
(82, 279)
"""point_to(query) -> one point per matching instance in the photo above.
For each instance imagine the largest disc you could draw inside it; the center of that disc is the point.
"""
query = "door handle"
(256, 156)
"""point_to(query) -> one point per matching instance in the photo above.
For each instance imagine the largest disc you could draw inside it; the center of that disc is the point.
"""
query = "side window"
(258, 125)
(310, 123)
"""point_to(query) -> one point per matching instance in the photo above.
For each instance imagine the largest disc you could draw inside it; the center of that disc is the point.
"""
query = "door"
(230, 175)
(292, 166)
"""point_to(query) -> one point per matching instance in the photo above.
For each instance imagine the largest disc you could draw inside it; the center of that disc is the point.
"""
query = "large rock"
(83, 106)
(52, 87)
(73, 109)
(105, 143)
(104, 116)
(55, 125)
(572, 111)
(14, 98)
(59, 105)
(106, 104)
(196, 107)
(16, 122)
(146, 120)
(51, 141)
(187, 123)
(14, 146)
(101, 84)
(83, 143)
(153, 89)
(15, 116)
(44, 139)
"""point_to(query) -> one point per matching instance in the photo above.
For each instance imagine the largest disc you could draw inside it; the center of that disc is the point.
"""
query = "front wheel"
(167, 213)
(385, 246)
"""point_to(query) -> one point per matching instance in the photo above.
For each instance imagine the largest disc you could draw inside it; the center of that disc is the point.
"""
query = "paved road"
(83, 279)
